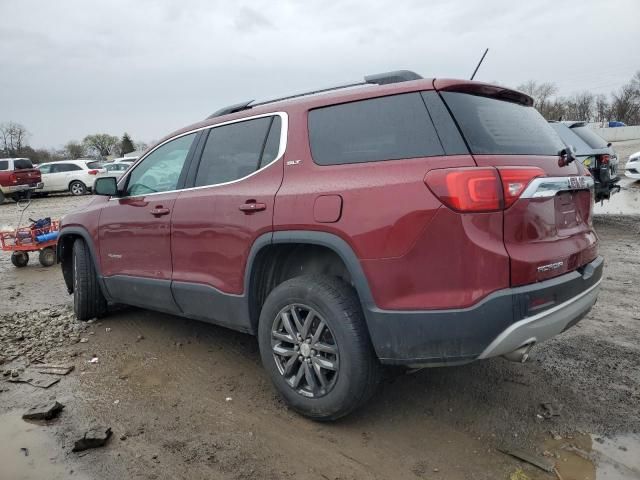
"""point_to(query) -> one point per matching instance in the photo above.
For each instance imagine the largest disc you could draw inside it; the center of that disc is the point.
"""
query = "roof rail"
(375, 79)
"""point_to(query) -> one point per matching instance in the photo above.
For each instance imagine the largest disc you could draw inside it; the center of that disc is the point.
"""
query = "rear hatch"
(548, 215)
(24, 173)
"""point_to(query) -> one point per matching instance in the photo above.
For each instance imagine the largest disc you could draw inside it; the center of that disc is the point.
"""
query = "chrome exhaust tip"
(519, 355)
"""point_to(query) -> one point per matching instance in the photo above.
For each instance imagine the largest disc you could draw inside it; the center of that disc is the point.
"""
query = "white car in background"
(74, 176)
(632, 169)
(115, 169)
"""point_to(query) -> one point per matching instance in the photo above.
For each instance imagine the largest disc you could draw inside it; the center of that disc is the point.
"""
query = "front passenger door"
(134, 232)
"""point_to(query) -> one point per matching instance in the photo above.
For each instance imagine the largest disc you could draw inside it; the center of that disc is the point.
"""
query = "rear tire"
(344, 345)
(47, 257)
(19, 259)
(1, 198)
(77, 188)
(88, 301)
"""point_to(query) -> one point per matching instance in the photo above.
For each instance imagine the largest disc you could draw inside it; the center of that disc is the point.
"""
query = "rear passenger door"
(216, 221)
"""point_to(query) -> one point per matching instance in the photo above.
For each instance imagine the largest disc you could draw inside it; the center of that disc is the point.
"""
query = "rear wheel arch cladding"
(328, 242)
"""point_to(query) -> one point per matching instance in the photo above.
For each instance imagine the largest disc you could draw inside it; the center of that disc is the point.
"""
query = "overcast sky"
(70, 68)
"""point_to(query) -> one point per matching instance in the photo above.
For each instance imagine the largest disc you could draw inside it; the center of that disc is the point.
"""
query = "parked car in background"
(614, 123)
(17, 177)
(413, 222)
(632, 169)
(114, 169)
(74, 176)
(125, 160)
(594, 153)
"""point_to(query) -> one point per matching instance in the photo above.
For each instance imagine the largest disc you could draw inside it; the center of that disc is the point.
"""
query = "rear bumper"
(21, 188)
(499, 324)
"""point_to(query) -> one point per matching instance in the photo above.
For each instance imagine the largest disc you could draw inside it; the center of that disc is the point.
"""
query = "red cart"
(35, 238)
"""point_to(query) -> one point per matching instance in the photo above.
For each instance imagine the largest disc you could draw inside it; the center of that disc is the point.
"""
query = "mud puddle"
(28, 451)
(595, 457)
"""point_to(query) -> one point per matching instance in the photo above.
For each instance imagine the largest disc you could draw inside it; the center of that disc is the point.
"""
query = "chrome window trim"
(284, 130)
(544, 187)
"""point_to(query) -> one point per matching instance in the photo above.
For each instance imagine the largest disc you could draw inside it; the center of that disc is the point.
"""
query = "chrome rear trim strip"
(549, 186)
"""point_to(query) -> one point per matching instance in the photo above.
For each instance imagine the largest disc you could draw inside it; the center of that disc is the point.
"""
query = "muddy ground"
(190, 400)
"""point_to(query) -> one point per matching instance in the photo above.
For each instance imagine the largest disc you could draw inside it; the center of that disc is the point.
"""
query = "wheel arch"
(275, 256)
(64, 255)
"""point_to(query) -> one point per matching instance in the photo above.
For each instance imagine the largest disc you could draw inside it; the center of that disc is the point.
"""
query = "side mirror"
(106, 186)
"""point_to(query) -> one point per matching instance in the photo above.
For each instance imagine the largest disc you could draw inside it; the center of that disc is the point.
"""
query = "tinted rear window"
(92, 165)
(22, 163)
(590, 137)
(386, 128)
(498, 127)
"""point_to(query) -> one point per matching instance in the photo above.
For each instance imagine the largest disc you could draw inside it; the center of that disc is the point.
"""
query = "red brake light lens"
(466, 189)
(93, 172)
(473, 189)
(515, 181)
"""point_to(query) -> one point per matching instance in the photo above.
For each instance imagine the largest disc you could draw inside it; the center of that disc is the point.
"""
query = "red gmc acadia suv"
(397, 221)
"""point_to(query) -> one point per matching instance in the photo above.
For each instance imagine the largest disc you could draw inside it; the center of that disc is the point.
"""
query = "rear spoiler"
(483, 90)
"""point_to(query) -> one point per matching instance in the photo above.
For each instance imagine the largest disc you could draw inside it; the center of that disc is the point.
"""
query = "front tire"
(88, 301)
(77, 188)
(315, 346)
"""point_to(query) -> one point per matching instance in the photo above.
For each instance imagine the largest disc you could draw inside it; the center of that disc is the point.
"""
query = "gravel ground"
(190, 400)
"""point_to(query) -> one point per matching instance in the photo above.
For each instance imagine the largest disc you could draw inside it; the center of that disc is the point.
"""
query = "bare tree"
(602, 108)
(14, 137)
(74, 150)
(101, 144)
(625, 106)
(541, 94)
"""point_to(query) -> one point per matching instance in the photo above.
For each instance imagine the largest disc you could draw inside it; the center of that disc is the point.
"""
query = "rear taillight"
(93, 172)
(603, 159)
(515, 180)
(480, 189)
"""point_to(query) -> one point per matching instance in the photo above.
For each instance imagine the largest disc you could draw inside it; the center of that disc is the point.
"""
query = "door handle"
(159, 211)
(250, 207)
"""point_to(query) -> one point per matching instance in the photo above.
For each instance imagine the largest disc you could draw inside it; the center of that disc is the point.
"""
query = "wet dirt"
(27, 451)
(191, 400)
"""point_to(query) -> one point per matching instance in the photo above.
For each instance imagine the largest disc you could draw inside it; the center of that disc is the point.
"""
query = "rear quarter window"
(386, 128)
(4, 164)
(498, 127)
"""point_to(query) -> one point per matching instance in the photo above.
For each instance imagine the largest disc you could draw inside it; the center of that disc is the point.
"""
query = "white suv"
(75, 176)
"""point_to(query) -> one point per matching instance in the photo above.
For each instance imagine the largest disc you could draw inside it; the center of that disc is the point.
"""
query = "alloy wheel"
(305, 350)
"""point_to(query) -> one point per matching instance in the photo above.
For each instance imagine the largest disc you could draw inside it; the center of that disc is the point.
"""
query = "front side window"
(385, 128)
(233, 151)
(160, 170)
(45, 168)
